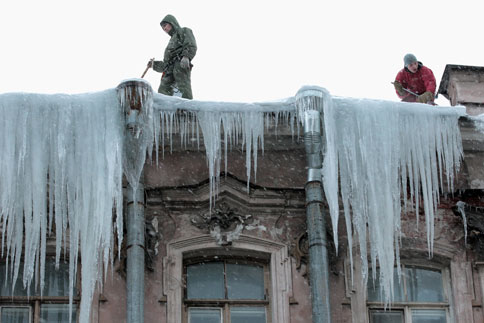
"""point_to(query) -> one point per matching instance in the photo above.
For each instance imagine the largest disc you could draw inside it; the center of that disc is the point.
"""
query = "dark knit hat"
(409, 59)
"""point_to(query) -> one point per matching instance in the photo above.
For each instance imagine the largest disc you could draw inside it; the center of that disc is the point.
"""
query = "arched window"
(248, 281)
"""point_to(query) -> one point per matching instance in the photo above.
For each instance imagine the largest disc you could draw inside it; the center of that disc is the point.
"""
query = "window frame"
(34, 302)
(225, 304)
(276, 253)
(407, 306)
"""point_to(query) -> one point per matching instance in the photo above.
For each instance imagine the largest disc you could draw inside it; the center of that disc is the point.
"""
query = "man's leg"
(166, 84)
(183, 82)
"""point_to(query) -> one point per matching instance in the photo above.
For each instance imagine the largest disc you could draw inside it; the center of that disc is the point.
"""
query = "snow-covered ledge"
(280, 269)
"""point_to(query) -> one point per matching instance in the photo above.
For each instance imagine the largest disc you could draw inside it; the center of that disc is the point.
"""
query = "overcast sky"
(248, 51)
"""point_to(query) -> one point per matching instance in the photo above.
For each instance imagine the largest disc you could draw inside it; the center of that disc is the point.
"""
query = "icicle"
(371, 147)
(316, 98)
(71, 149)
(68, 148)
(378, 144)
(217, 125)
(461, 208)
(210, 124)
(137, 104)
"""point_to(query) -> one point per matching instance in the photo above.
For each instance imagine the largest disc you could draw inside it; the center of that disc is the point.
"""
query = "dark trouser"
(179, 78)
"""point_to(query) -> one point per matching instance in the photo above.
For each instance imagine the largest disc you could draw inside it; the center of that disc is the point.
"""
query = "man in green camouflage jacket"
(176, 65)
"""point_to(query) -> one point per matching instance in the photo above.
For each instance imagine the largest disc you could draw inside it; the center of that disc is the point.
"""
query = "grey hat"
(409, 59)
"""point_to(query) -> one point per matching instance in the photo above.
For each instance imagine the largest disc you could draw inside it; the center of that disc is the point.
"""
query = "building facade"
(243, 256)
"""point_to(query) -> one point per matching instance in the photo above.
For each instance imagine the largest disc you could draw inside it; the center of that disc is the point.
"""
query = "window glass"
(245, 281)
(15, 314)
(386, 317)
(375, 292)
(204, 315)
(205, 280)
(428, 316)
(6, 281)
(56, 281)
(424, 285)
(247, 314)
(58, 313)
(226, 289)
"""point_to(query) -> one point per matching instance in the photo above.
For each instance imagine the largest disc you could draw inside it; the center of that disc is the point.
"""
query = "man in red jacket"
(416, 78)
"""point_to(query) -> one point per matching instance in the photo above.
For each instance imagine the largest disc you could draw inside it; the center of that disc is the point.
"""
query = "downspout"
(135, 262)
(136, 100)
(316, 224)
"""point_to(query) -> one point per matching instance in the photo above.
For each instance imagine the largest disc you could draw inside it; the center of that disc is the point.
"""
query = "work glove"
(150, 63)
(399, 88)
(426, 97)
(158, 66)
(185, 62)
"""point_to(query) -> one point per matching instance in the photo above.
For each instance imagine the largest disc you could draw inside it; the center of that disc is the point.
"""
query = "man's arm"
(158, 66)
(429, 79)
(399, 85)
(430, 84)
(189, 44)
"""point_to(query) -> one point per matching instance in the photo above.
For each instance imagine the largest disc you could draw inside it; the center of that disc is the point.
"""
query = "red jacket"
(419, 82)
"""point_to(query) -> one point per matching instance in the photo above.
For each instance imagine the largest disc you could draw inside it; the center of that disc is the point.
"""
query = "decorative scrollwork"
(223, 223)
(152, 238)
(301, 252)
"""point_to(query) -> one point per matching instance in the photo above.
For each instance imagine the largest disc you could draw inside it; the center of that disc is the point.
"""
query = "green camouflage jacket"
(182, 43)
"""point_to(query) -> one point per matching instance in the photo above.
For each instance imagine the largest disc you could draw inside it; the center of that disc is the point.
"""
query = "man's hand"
(148, 66)
(426, 97)
(399, 87)
(185, 62)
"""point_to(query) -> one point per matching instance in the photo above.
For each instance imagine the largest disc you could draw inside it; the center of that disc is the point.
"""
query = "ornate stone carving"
(223, 223)
(152, 238)
(300, 251)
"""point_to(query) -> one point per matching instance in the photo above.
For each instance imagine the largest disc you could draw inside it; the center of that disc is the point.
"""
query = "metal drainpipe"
(316, 224)
(135, 245)
(135, 215)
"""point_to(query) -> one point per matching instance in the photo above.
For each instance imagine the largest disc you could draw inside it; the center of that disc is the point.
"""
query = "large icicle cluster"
(222, 126)
(380, 148)
(374, 151)
(136, 93)
(61, 172)
(63, 156)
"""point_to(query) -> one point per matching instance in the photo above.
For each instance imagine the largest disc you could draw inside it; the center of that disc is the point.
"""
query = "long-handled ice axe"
(416, 95)
(150, 64)
(407, 90)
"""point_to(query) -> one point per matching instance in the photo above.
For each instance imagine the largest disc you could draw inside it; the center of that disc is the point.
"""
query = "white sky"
(248, 50)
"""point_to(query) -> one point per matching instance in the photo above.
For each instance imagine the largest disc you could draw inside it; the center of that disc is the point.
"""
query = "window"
(17, 306)
(419, 297)
(227, 290)
(272, 256)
